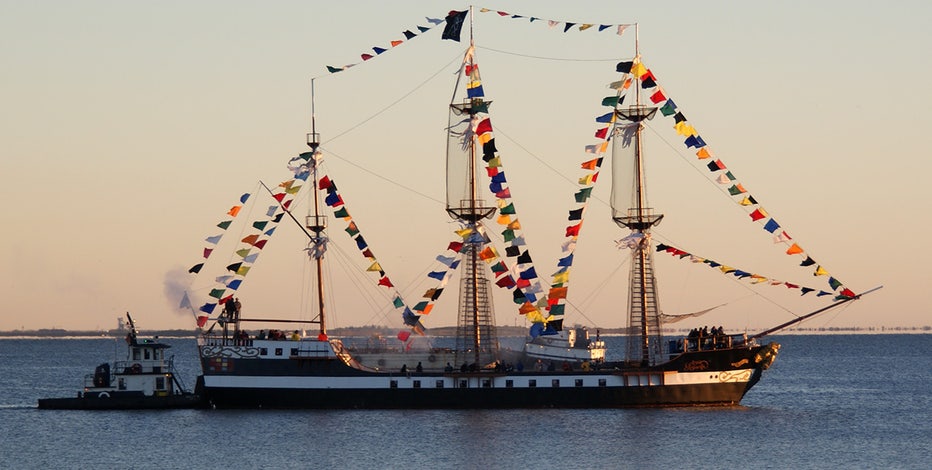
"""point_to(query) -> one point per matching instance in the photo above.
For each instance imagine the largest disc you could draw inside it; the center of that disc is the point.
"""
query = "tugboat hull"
(122, 402)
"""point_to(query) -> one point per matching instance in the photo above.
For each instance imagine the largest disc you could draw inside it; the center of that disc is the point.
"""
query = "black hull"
(702, 378)
(729, 394)
(123, 403)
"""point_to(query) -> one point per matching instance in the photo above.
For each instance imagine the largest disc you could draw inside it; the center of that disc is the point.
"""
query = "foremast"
(476, 340)
(644, 325)
(316, 222)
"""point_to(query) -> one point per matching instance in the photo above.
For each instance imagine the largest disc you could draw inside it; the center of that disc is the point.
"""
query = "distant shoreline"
(503, 331)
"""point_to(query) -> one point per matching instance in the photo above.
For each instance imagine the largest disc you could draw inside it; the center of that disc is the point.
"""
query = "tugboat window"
(509, 383)
(440, 384)
(393, 384)
(602, 382)
(146, 351)
(464, 384)
(555, 383)
(160, 383)
(278, 351)
(417, 384)
(263, 351)
(579, 382)
(532, 383)
(136, 354)
(486, 383)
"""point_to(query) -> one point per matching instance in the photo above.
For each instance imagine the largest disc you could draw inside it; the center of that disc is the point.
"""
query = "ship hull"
(724, 394)
(706, 378)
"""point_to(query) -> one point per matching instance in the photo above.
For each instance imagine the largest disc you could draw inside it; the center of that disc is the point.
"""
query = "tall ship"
(289, 367)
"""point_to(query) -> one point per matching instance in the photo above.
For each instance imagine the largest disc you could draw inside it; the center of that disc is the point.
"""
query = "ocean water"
(834, 401)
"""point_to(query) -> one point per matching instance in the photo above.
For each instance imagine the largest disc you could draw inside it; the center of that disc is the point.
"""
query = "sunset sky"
(128, 129)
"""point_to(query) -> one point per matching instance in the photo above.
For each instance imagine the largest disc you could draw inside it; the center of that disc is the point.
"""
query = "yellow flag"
(820, 272)
(586, 180)
(485, 138)
(503, 219)
(515, 225)
(375, 267)
(495, 162)
(561, 278)
(463, 233)
(638, 69)
(746, 201)
(585, 26)
(684, 129)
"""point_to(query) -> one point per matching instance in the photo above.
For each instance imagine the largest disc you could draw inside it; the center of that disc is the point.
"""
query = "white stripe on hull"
(517, 381)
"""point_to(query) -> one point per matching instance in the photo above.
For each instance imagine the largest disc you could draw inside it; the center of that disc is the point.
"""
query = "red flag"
(201, 321)
(404, 335)
(506, 281)
(601, 133)
(573, 230)
(658, 96)
(484, 126)
(385, 282)
(324, 182)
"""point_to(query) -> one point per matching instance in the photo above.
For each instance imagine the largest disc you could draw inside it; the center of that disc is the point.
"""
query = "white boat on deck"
(572, 345)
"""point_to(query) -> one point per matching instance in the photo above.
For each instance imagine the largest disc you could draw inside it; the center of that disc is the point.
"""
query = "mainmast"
(317, 223)
(644, 343)
(476, 340)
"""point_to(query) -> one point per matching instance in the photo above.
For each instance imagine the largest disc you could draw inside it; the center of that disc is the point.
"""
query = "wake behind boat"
(296, 370)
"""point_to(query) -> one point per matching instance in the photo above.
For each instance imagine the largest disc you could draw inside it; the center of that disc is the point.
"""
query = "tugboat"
(145, 380)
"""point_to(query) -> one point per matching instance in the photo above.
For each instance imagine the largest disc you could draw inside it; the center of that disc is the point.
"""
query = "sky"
(128, 129)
